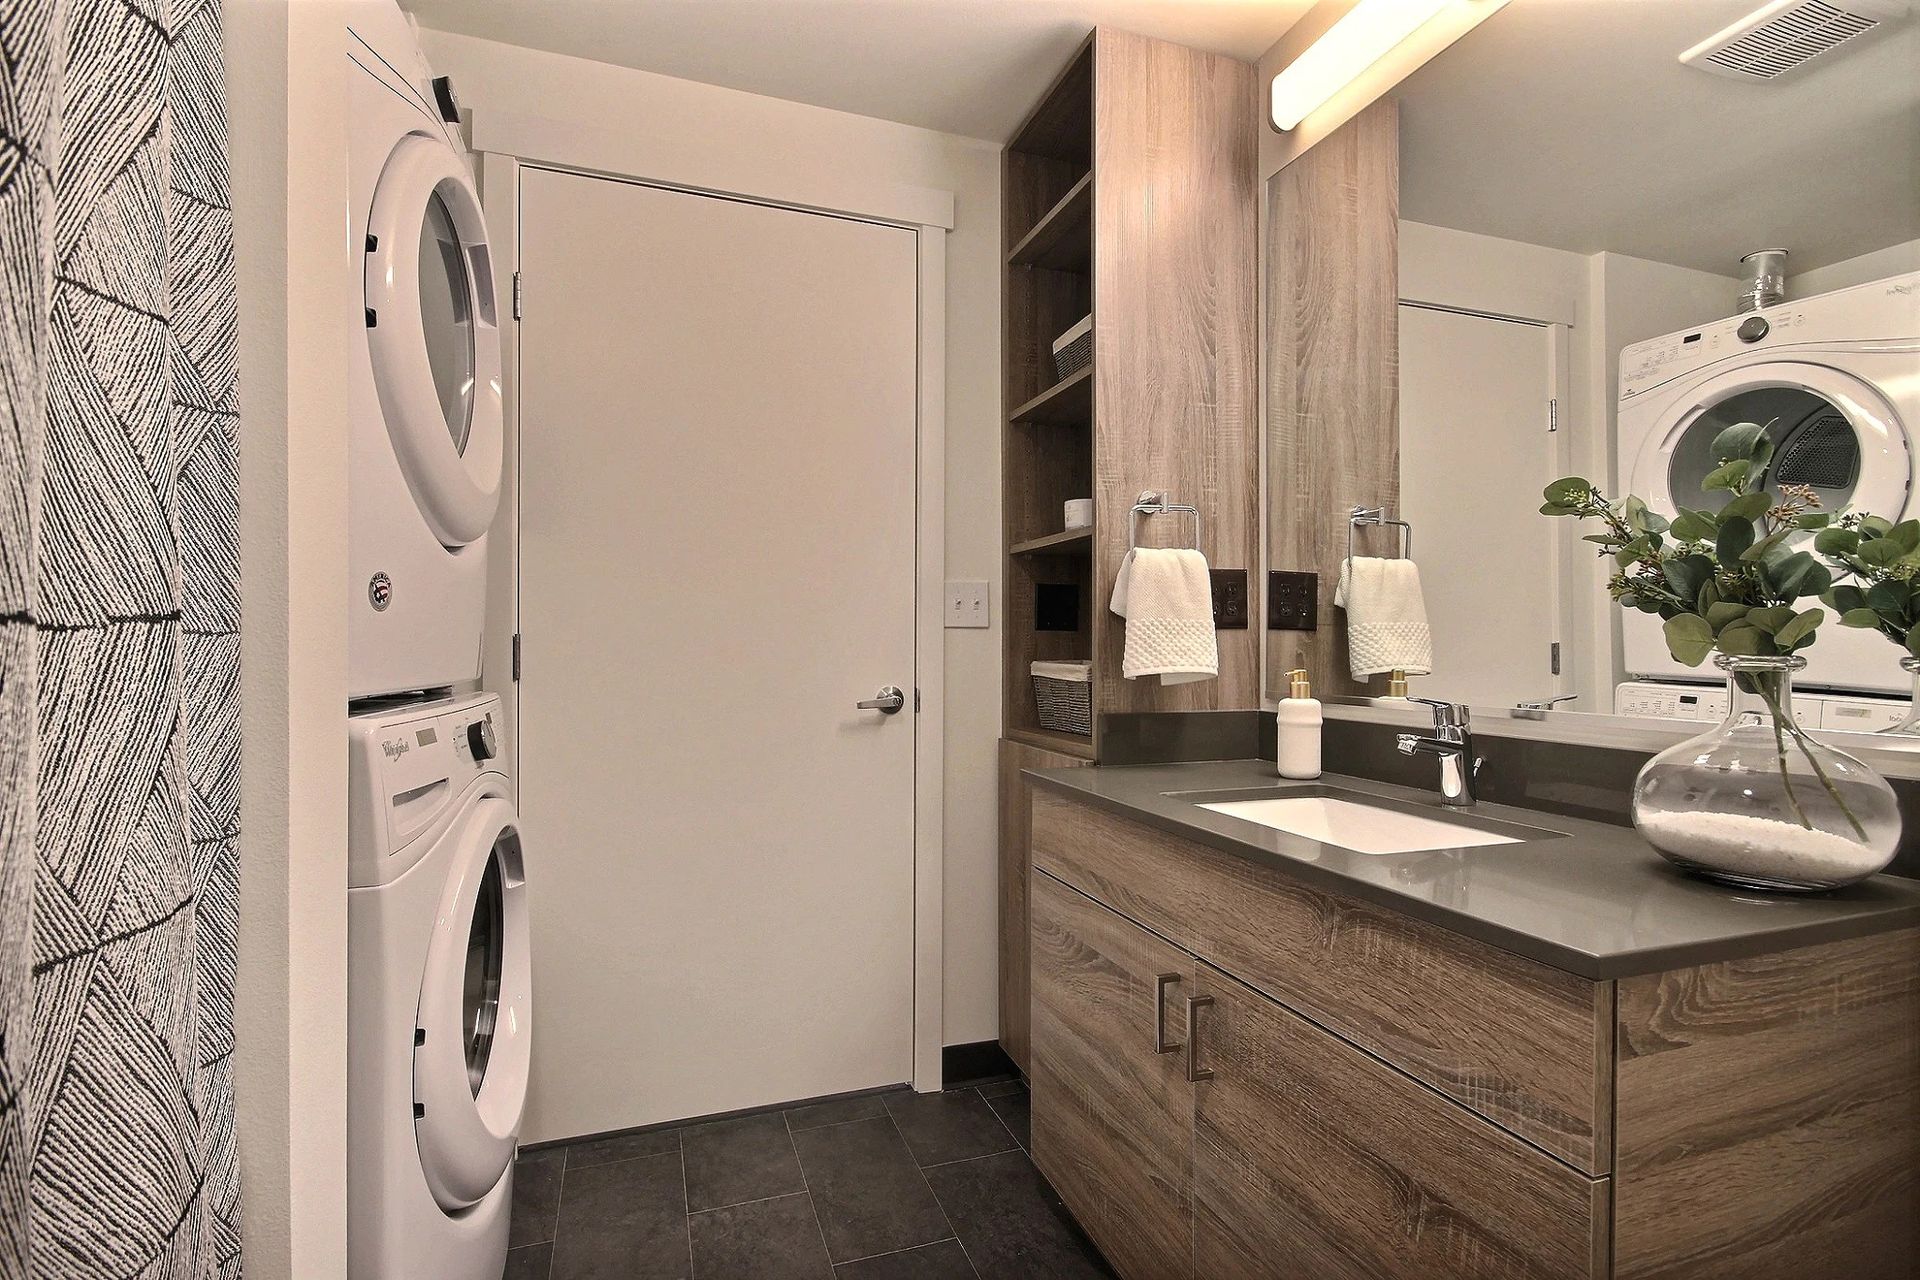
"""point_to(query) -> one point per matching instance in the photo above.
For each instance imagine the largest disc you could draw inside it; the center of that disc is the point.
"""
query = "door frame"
(504, 142)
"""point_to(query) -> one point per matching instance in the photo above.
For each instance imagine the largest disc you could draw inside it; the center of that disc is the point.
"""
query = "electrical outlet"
(967, 604)
(1293, 601)
(1229, 599)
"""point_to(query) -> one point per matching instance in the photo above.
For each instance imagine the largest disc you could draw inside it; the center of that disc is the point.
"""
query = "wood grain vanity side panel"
(1523, 1044)
(1333, 371)
(1769, 1116)
(1112, 1119)
(1016, 815)
(1176, 154)
(1312, 1159)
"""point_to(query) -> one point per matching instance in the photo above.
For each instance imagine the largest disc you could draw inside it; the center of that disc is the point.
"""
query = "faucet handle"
(1446, 715)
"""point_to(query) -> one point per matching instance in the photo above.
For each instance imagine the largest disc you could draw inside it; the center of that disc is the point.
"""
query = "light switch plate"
(967, 604)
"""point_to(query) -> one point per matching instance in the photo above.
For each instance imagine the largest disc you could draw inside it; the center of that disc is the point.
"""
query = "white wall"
(1894, 260)
(783, 140)
(284, 63)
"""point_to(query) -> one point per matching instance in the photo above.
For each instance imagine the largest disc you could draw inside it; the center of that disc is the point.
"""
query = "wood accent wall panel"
(1174, 284)
(1525, 1045)
(1769, 1116)
(1016, 814)
(1112, 1119)
(1333, 379)
(1312, 1159)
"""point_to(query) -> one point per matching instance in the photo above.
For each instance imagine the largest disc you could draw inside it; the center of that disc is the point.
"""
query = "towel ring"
(1152, 503)
(1378, 516)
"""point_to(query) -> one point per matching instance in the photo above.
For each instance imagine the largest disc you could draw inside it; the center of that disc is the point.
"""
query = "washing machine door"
(433, 335)
(1831, 431)
(470, 1056)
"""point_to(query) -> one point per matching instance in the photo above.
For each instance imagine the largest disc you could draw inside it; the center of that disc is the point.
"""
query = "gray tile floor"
(891, 1186)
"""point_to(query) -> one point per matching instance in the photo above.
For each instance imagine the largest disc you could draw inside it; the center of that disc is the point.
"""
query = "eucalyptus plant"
(1728, 580)
(1883, 558)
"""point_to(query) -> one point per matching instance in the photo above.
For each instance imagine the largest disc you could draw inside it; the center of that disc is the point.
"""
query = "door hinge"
(1553, 657)
(516, 657)
(1553, 406)
(516, 295)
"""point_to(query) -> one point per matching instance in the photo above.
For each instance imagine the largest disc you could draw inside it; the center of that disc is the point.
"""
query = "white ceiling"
(1572, 123)
(971, 67)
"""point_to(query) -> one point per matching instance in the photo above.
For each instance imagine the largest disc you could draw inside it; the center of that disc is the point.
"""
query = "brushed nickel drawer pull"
(1161, 981)
(1195, 1072)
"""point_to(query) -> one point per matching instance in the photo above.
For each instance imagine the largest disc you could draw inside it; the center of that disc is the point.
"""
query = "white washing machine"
(425, 406)
(438, 994)
(1838, 377)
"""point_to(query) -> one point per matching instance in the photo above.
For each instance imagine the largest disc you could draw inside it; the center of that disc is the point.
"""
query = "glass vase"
(1910, 725)
(1758, 803)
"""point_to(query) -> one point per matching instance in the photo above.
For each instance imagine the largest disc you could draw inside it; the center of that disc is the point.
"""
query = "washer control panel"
(409, 763)
(1650, 363)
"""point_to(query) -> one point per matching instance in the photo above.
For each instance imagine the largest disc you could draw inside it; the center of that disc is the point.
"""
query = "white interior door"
(717, 444)
(1475, 452)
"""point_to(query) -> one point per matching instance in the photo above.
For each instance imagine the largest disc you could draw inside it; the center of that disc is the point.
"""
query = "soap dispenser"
(1298, 721)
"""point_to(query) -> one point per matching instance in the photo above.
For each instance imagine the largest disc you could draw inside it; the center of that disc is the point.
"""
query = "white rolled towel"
(1386, 617)
(1166, 596)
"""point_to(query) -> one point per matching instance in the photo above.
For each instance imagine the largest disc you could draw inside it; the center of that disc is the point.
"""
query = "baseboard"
(976, 1063)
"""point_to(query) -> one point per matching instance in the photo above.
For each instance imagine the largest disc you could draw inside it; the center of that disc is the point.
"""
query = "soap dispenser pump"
(1298, 724)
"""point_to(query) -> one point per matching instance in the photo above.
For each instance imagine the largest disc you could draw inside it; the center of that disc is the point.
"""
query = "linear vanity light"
(1364, 35)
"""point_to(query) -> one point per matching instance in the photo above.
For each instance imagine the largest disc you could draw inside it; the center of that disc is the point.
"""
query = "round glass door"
(446, 317)
(480, 990)
(1814, 445)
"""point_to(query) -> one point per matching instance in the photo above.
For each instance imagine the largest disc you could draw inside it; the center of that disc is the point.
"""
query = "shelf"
(1063, 238)
(1068, 402)
(1068, 744)
(1054, 543)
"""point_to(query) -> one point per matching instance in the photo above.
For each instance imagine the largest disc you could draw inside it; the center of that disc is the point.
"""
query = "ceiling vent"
(1784, 34)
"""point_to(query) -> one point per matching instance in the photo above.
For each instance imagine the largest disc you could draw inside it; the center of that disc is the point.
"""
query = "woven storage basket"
(1065, 703)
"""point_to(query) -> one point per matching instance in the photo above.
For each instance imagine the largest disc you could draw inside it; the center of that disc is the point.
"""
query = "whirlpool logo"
(396, 747)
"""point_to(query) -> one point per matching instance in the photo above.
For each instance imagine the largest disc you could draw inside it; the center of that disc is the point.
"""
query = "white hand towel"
(1166, 596)
(1386, 617)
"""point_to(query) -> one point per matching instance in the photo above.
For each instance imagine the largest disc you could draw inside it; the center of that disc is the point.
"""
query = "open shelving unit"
(1048, 229)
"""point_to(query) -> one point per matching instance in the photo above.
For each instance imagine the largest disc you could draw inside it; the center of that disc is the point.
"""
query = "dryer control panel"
(407, 766)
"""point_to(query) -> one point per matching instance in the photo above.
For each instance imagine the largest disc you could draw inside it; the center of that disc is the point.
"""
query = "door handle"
(1161, 981)
(1195, 1072)
(887, 702)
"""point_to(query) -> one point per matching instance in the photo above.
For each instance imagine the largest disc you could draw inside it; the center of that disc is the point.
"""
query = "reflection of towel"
(1386, 617)
(1166, 596)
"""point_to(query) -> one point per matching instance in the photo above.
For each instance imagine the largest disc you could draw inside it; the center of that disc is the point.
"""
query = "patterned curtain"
(119, 644)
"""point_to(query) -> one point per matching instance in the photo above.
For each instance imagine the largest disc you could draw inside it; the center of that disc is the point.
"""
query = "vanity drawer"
(1525, 1045)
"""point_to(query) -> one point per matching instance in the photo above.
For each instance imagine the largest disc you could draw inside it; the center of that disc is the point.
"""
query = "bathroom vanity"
(1254, 1053)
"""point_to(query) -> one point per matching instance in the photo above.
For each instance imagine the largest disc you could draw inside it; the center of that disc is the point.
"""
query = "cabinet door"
(1312, 1158)
(1016, 829)
(1112, 1118)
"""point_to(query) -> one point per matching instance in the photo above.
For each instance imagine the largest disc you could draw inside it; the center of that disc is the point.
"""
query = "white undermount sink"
(1363, 828)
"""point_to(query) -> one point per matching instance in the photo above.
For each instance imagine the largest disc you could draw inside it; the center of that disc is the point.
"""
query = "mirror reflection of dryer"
(439, 995)
(1836, 379)
(426, 429)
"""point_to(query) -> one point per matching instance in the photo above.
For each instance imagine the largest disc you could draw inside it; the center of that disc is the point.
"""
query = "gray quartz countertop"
(1586, 897)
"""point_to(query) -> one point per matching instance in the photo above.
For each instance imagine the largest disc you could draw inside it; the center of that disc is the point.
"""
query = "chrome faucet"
(1452, 742)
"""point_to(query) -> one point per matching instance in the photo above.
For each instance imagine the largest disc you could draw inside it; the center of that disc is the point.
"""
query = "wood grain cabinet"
(1236, 1076)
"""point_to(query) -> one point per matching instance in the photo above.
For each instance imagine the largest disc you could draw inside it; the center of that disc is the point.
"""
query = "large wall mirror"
(1568, 298)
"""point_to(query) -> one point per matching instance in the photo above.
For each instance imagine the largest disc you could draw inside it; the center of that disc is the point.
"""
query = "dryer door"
(470, 1056)
(434, 337)
(1831, 431)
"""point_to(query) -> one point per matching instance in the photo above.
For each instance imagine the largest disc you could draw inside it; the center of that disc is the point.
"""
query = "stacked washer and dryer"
(1838, 378)
(439, 980)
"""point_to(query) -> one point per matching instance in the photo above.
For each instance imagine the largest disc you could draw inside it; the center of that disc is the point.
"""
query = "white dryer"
(438, 994)
(425, 431)
(1838, 377)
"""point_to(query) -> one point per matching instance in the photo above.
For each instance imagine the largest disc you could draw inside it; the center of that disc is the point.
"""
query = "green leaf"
(1818, 578)
(1742, 640)
(1719, 615)
(1602, 539)
(1875, 526)
(1748, 506)
(1889, 600)
(1548, 509)
(1765, 547)
(1859, 618)
(1569, 492)
(1643, 520)
(1690, 526)
(1729, 475)
(1812, 520)
(1913, 642)
(1771, 619)
(1846, 599)
(1736, 535)
(1836, 542)
(1800, 630)
(1737, 441)
(1689, 639)
(1907, 535)
(1794, 575)
(1687, 574)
